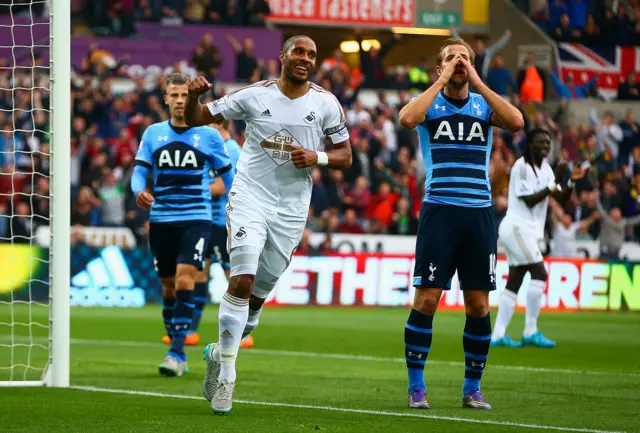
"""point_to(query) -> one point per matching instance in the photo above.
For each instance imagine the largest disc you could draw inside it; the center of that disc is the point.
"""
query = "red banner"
(380, 13)
(385, 280)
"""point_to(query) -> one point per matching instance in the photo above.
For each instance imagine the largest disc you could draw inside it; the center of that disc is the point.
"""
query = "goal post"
(34, 330)
(57, 373)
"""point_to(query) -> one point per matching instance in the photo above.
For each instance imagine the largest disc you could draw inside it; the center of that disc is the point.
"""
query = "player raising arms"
(288, 122)
(181, 159)
(457, 229)
(531, 183)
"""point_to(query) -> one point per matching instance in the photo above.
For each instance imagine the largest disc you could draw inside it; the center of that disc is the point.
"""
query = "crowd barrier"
(117, 277)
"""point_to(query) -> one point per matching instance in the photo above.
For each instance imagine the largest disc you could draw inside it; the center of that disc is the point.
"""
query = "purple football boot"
(475, 400)
(418, 399)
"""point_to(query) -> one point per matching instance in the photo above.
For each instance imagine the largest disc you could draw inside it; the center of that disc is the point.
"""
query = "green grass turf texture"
(598, 387)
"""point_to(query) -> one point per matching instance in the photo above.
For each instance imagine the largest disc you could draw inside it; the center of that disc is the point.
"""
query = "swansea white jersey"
(525, 180)
(276, 125)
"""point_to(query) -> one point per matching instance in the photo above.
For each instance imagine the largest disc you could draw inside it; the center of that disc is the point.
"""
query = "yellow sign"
(18, 264)
(475, 12)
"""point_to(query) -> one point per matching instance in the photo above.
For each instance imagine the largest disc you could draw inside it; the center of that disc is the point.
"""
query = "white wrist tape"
(552, 185)
(323, 158)
(570, 184)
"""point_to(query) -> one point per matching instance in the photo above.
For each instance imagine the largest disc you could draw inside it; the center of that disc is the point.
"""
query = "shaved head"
(289, 43)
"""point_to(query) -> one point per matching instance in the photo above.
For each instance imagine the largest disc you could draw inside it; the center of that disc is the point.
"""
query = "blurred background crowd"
(383, 190)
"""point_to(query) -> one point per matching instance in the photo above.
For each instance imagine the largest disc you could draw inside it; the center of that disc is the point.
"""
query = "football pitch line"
(347, 410)
(123, 343)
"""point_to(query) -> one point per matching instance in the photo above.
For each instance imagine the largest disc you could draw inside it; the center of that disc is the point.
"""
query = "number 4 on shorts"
(492, 267)
(199, 250)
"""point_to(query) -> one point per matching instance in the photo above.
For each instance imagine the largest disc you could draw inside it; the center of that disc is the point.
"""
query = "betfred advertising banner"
(373, 13)
(385, 280)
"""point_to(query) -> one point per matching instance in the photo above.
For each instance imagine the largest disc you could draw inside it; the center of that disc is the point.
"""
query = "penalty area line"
(347, 410)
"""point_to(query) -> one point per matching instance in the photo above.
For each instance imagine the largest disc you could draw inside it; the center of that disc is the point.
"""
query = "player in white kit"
(288, 123)
(531, 183)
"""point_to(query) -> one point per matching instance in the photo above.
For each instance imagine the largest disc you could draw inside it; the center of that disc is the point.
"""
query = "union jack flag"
(611, 64)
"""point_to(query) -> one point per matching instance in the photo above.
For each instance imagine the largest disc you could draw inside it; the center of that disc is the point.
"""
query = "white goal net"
(34, 192)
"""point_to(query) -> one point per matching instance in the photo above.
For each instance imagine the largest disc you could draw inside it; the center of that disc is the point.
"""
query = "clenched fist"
(303, 158)
(199, 86)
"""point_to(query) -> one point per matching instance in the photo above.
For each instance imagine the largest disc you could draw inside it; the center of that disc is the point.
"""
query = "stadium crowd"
(380, 193)
(591, 22)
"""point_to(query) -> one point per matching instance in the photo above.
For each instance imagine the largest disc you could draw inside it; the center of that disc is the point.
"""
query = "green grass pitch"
(324, 369)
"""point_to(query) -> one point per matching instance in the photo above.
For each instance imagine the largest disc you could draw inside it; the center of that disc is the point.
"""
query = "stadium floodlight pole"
(59, 253)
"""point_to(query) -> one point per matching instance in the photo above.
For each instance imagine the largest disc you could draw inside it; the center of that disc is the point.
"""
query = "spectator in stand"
(621, 26)
(630, 136)
(255, 12)
(565, 230)
(531, 83)
(22, 228)
(319, 197)
(112, 199)
(568, 90)
(609, 136)
(85, 209)
(120, 16)
(371, 62)
(359, 196)
(246, 60)
(591, 32)
(500, 80)
(570, 142)
(304, 247)
(498, 175)
(630, 89)
(613, 230)
(350, 224)
(419, 75)
(565, 31)
(206, 58)
(403, 221)
(382, 205)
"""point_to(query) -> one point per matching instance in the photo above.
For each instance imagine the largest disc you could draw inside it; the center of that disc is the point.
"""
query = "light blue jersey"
(182, 160)
(455, 140)
(218, 204)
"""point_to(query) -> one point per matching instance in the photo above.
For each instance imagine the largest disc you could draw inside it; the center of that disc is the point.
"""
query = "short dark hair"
(177, 78)
(453, 41)
(291, 41)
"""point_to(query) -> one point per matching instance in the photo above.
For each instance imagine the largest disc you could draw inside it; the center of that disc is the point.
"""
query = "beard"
(458, 83)
(288, 72)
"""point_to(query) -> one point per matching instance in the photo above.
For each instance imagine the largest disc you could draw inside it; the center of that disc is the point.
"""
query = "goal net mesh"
(24, 189)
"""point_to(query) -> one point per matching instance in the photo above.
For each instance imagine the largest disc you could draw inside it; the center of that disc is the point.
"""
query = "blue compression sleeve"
(139, 179)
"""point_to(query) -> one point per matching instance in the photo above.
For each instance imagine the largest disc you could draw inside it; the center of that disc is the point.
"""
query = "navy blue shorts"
(218, 246)
(454, 238)
(183, 242)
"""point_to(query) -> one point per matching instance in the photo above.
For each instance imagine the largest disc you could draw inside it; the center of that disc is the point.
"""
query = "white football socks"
(506, 306)
(232, 319)
(534, 299)
(252, 321)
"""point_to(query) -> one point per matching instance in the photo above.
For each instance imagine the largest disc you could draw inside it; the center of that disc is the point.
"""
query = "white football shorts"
(520, 243)
(261, 241)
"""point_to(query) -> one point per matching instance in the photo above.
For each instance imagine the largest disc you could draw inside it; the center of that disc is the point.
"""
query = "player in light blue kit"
(181, 159)
(457, 227)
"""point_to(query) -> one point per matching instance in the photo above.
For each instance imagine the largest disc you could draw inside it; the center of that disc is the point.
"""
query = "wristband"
(323, 158)
(570, 184)
(552, 185)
